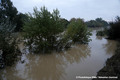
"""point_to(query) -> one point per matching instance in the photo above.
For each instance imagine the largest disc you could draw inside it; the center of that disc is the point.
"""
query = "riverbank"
(112, 68)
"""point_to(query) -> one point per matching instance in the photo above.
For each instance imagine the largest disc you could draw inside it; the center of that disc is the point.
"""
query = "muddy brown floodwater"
(80, 60)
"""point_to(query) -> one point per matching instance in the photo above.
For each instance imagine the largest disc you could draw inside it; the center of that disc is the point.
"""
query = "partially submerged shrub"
(100, 33)
(7, 45)
(78, 31)
(42, 30)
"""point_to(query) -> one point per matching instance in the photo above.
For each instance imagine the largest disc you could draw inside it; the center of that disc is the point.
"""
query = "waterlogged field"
(80, 60)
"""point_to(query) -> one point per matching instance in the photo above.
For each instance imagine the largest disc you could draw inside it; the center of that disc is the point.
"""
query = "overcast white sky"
(87, 9)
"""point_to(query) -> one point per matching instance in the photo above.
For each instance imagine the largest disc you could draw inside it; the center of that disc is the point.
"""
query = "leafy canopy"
(9, 12)
(42, 29)
(7, 44)
(114, 30)
(77, 31)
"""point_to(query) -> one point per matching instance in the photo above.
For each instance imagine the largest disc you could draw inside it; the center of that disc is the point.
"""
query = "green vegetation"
(98, 22)
(77, 31)
(44, 31)
(114, 30)
(7, 10)
(103, 32)
(8, 48)
(64, 22)
(100, 33)
(10, 20)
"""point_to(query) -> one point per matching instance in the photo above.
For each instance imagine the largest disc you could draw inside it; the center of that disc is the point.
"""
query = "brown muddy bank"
(112, 68)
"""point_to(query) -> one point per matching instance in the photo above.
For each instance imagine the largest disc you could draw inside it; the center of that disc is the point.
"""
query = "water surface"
(80, 60)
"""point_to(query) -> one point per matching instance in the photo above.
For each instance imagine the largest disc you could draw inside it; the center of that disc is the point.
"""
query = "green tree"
(64, 22)
(42, 29)
(77, 31)
(114, 30)
(7, 45)
(101, 22)
(9, 12)
(20, 19)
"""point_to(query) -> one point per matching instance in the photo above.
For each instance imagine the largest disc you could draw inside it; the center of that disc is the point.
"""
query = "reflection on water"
(80, 60)
(77, 53)
(46, 66)
(110, 47)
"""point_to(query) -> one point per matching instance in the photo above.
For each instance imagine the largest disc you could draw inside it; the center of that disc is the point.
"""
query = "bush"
(100, 33)
(8, 49)
(45, 33)
(114, 30)
(42, 30)
(77, 31)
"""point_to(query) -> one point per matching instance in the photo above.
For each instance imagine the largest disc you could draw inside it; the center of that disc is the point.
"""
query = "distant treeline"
(8, 12)
(98, 22)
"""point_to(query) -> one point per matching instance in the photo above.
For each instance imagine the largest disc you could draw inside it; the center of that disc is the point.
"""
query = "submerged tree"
(77, 31)
(42, 29)
(8, 49)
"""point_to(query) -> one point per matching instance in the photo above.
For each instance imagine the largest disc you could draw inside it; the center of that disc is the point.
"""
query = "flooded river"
(80, 60)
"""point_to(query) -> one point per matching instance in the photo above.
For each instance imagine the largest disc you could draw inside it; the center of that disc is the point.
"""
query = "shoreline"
(112, 67)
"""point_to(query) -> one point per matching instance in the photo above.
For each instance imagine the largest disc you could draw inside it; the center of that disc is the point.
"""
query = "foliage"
(20, 19)
(42, 29)
(77, 31)
(98, 22)
(64, 22)
(114, 30)
(7, 10)
(7, 44)
(100, 33)
(103, 32)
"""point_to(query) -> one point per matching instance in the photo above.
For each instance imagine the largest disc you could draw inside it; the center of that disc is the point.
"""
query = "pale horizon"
(86, 9)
